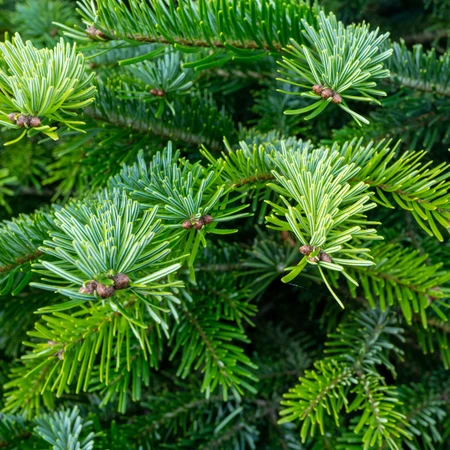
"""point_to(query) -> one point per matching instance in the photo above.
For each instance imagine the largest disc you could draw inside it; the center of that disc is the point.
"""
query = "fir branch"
(63, 430)
(198, 120)
(240, 29)
(20, 239)
(420, 70)
(82, 268)
(86, 351)
(36, 85)
(338, 63)
(415, 186)
(223, 364)
(33, 19)
(326, 389)
(402, 275)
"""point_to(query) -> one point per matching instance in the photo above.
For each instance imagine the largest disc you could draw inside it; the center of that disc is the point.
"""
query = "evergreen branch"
(190, 200)
(63, 430)
(13, 431)
(326, 389)
(42, 85)
(240, 29)
(418, 112)
(415, 186)
(329, 382)
(82, 268)
(338, 63)
(204, 344)
(422, 406)
(34, 19)
(324, 212)
(28, 389)
(370, 345)
(403, 275)
(94, 345)
(424, 409)
(21, 260)
(163, 78)
(419, 121)
(197, 120)
(20, 239)
(384, 424)
(420, 70)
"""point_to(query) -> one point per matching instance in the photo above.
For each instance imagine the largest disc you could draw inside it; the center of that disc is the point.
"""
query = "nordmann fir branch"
(41, 87)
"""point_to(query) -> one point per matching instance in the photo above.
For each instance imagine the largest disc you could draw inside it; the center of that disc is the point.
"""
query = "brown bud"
(12, 117)
(89, 288)
(324, 257)
(121, 281)
(157, 92)
(60, 354)
(317, 89)
(34, 122)
(336, 98)
(327, 93)
(207, 219)
(93, 32)
(186, 224)
(306, 249)
(105, 291)
(198, 224)
(51, 342)
(22, 120)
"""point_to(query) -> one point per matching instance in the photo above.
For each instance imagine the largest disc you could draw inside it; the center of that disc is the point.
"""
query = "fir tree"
(225, 225)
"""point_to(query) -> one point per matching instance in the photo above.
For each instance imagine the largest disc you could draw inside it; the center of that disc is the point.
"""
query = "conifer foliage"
(225, 225)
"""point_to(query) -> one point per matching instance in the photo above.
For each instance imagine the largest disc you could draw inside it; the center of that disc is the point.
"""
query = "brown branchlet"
(93, 33)
(121, 281)
(317, 89)
(198, 224)
(89, 288)
(322, 256)
(336, 98)
(325, 257)
(306, 249)
(286, 237)
(104, 291)
(21, 120)
(157, 92)
(34, 122)
(327, 93)
(207, 219)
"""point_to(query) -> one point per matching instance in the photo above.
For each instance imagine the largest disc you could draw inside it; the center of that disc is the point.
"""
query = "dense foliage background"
(152, 297)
